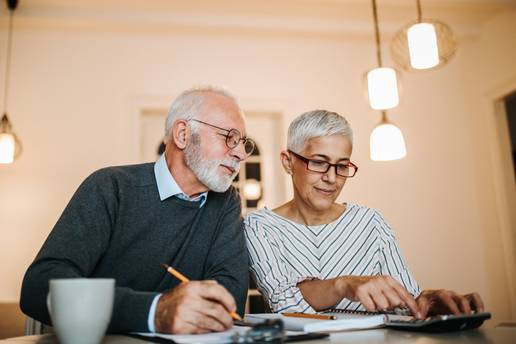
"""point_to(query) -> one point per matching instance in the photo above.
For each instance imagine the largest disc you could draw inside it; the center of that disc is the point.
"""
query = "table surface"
(497, 335)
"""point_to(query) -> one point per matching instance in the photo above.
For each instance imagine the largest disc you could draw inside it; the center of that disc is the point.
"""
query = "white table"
(497, 335)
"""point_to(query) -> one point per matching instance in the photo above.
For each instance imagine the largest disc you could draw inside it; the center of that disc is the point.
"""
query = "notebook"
(343, 322)
(358, 320)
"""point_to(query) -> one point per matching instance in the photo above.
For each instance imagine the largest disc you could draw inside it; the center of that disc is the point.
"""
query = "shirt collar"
(167, 185)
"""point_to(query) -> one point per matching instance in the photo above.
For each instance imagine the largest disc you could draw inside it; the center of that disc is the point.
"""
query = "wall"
(77, 92)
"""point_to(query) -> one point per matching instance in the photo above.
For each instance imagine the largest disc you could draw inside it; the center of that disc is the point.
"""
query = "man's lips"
(229, 168)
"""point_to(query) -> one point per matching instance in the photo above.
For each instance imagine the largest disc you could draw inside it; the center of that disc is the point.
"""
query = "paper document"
(213, 337)
(344, 322)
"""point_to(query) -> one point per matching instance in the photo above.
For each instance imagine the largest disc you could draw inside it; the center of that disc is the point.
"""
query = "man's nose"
(239, 151)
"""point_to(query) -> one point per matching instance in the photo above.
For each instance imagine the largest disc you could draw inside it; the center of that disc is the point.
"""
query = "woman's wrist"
(342, 287)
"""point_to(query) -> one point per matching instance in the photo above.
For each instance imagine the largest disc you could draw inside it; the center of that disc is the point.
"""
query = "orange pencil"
(310, 316)
(184, 279)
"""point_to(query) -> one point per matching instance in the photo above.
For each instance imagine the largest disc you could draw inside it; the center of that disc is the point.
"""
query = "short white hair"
(315, 124)
(188, 104)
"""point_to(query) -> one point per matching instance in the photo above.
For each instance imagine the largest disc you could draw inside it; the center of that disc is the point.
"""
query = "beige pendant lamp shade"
(423, 44)
(386, 142)
(382, 88)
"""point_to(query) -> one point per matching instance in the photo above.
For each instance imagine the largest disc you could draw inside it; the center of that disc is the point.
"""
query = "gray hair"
(315, 124)
(188, 105)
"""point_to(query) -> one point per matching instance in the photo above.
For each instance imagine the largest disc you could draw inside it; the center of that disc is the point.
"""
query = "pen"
(310, 316)
(184, 279)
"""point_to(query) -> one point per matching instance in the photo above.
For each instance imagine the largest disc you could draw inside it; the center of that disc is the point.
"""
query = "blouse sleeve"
(276, 282)
(391, 260)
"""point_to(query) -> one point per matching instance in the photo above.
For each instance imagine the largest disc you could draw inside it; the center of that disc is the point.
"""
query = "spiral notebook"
(344, 321)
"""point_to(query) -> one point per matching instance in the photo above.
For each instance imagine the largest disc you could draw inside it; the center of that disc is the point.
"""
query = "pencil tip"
(164, 266)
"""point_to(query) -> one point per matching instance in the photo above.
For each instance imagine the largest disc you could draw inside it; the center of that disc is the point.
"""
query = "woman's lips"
(326, 192)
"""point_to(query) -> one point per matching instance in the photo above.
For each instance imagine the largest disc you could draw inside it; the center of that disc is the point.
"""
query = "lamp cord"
(377, 35)
(419, 13)
(8, 60)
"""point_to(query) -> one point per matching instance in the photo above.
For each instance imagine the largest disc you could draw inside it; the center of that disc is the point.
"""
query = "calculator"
(438, 323)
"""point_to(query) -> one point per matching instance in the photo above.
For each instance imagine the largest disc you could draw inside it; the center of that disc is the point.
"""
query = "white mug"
(81, 308)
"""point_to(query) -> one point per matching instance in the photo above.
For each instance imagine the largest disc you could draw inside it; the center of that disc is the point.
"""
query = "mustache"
(231, 163)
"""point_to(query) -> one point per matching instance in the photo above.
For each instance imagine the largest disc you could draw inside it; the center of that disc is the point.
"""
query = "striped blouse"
(283, 253)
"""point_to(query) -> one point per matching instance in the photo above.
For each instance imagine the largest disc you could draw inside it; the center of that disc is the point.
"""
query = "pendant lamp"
(386, 142)
(10, 145)
(382, 82)
(423, 44)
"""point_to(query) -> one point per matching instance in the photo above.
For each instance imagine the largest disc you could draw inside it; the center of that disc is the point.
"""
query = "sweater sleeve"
(391, 261)
(74, 247)
(227, 261)
(275, 280)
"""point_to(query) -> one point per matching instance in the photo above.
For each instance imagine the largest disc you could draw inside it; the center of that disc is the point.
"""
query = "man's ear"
(180, 132)
(286, 161)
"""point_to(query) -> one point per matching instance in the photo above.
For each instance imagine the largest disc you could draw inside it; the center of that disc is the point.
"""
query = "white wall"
(77, 92)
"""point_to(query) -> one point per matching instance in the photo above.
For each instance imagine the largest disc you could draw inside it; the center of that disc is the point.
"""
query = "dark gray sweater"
(116, 226)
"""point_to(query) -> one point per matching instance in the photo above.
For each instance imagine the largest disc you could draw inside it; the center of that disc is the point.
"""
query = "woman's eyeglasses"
(233, 137)
(344, 170)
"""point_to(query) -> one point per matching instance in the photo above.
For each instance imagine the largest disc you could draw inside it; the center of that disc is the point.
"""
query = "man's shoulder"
(231, 195)
(136, 175)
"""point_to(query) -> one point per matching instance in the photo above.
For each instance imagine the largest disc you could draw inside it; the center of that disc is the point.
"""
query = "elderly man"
(124, 221)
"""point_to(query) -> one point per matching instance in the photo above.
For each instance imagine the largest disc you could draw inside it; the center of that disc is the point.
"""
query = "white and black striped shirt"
(283, 253)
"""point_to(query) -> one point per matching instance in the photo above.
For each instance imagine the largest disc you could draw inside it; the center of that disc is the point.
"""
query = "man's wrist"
(152, 314)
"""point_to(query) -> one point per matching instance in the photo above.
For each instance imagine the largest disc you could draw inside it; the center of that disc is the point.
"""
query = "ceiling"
(327, 17)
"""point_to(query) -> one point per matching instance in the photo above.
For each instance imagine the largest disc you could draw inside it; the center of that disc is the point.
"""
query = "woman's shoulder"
(259, 214)
(361, 208)
(365, 212)
(256, 219)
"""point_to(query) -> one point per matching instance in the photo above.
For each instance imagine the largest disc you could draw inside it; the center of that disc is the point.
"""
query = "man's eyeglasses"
(344, 170)
(233, 137)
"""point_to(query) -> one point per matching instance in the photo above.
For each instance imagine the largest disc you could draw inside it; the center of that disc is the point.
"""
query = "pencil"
(184, 279)
(310, 316)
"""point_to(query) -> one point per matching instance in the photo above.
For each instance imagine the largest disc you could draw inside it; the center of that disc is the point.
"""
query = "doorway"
(510, 109)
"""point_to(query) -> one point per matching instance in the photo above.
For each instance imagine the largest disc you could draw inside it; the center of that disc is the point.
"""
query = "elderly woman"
(312, 253)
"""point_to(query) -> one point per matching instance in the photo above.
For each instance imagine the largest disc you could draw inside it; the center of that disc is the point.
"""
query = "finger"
(182, 326)
(448, 302)
(366, 301)
(217, 292)
(406, 298)
(476, 301)
(463, 303)
(217, 312)
(379, 299)
(202, 323)
(423, 304)
(392, 297)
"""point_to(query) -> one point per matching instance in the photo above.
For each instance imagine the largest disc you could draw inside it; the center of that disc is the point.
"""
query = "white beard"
(207, 170)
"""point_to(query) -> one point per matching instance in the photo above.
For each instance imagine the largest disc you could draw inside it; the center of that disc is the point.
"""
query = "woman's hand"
(432, 302)
(377, 293)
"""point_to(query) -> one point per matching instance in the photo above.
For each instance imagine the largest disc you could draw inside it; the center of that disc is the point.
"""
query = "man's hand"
(195, 307)
(377, 293)
(432, 302)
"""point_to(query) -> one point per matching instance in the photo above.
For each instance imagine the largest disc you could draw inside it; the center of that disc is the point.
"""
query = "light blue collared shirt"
(167, 187)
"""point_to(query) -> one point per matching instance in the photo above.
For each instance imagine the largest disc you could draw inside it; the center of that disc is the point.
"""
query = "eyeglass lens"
(323, 167)
(233, 139)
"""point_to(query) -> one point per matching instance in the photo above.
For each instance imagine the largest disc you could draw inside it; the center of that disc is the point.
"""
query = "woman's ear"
(180, 133)
(286, 161)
